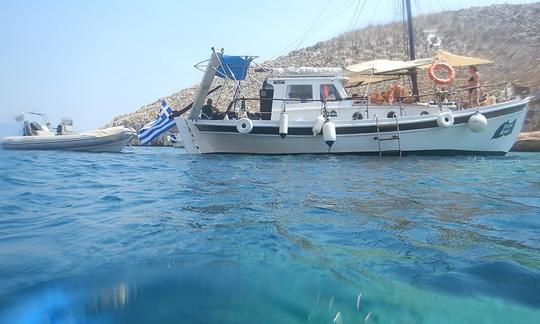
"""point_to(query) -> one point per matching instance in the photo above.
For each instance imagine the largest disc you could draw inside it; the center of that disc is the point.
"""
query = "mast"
(412, 55)
(204, 88)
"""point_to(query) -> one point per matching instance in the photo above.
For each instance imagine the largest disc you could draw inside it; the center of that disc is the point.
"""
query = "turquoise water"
(155, 236)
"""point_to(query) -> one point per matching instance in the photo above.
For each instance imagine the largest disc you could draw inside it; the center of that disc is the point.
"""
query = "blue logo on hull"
(505, 129)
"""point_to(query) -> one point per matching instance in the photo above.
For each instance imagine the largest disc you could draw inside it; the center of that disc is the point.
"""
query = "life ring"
(449, 70)
(244, 125)
(434, 40)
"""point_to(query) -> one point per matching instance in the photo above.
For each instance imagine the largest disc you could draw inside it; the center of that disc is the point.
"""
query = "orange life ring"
(449, 70)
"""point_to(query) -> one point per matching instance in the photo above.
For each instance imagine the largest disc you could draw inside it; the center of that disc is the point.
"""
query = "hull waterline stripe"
(349, 130)
(390, 153)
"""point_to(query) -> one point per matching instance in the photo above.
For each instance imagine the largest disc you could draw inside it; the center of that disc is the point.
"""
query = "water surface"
(153, 235)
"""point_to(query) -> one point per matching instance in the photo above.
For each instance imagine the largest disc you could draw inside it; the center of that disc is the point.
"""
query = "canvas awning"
(356, 80)
(458, 60)
(386, 66)
(380, 70)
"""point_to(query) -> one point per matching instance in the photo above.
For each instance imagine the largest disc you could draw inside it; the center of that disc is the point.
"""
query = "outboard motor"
(27, 130)
(60, 129)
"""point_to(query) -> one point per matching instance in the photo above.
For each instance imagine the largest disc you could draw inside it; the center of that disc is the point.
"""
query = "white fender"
(244, 125)
(283, 124)
(317, 126)
(329, 133)
(445, 119)
(477, 122)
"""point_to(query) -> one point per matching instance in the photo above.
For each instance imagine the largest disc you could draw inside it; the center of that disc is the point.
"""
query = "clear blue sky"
(93, 60)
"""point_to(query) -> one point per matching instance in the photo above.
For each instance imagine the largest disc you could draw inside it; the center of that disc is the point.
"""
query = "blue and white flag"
(157, 127)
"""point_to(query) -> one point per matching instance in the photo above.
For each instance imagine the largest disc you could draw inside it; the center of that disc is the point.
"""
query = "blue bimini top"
(233, 67)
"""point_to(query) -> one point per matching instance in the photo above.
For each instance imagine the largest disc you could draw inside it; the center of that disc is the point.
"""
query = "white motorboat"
(175, 140)
(38, 136)
(309, 111)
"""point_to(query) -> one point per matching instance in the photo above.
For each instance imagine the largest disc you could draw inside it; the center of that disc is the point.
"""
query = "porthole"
(391, 114)
(424, 113)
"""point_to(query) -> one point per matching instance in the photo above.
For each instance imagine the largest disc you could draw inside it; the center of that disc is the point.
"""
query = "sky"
(94, 60)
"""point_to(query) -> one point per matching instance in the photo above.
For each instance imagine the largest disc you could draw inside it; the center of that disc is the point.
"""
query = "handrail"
(453, 91)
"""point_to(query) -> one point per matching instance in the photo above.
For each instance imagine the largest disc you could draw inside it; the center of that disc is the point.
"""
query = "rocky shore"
(527, 142)
(509, 35)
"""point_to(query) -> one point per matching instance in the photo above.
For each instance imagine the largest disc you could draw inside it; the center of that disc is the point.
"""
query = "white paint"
(283, 124)
(445, 119)
(317, 126)
(244, 125)
(329, 133)
(477, 123)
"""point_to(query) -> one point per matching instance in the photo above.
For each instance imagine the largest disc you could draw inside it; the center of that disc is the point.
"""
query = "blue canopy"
(233, 67)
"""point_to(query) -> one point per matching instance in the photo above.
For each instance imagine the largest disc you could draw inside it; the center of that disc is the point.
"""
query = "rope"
(299, 40)
(357, 13)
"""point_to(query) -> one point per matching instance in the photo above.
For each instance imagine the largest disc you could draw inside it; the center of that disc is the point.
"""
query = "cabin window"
(329, 92)
(301, 92)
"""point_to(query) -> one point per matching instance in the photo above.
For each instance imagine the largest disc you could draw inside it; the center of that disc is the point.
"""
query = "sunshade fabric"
(233, 67)
(386, 66)
(458, 60)
(380, 70)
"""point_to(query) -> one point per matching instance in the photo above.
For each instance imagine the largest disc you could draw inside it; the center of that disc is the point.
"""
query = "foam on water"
(152, 235)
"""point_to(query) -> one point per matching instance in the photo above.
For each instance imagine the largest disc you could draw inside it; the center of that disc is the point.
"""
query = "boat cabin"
(300, 95)
(304, 97)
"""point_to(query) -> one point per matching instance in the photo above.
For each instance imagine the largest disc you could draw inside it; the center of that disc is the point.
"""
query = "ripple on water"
(227, 238)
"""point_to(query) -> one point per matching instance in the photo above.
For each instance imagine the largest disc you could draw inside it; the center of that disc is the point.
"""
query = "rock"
(527, 142)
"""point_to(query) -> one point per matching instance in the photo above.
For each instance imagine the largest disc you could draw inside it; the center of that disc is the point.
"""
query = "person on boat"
(376, 98)
(208, 110)
(486, 99)
(327, 92)
(473, 84)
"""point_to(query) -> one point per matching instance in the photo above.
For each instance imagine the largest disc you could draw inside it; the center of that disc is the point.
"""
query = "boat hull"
(107, 140)
(418, 135)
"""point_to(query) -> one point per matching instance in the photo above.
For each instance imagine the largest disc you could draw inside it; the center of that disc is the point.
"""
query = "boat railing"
(441, 97)
(284, 101)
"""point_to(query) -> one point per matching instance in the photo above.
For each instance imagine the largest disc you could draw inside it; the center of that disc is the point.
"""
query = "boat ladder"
(395, 137)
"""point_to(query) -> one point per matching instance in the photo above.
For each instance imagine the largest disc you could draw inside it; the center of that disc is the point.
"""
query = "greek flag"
(157, 127)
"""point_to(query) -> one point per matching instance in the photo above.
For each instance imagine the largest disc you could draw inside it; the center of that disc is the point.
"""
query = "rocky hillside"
(509, 35)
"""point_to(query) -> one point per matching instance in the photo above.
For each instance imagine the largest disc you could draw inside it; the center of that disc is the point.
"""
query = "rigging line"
(360, 12)
(356, 14)
(336, 14)
(442, 6)
(300, 39)
(314, 23)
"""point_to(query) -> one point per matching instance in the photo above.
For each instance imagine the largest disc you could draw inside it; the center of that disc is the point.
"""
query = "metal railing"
(439, 97)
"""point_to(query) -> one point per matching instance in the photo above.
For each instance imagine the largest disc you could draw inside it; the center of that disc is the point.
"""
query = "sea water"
(156, 236)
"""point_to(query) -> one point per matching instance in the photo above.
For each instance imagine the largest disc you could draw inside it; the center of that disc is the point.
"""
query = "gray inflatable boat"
(36, 137)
